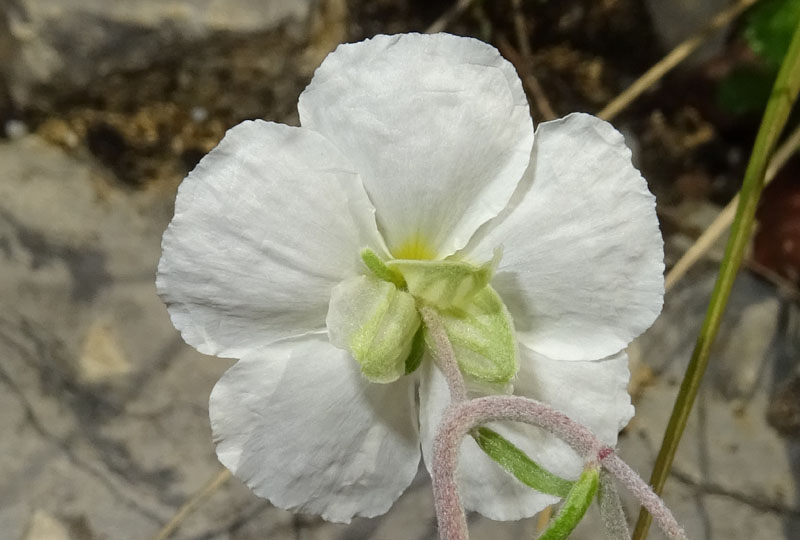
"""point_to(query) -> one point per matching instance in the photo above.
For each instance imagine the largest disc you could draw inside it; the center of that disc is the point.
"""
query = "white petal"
(264, 227)
(591, 393)
(438, 126)
(582, 267)
(300, 425)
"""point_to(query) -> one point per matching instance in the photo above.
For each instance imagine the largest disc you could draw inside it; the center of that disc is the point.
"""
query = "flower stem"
(784, 94)
(444, 354)
(461, 417)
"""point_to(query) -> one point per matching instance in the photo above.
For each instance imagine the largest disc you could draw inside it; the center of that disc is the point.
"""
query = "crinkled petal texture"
(582, 267)
(593, 393)
(265, 226)
(438, 127)
(300, 425)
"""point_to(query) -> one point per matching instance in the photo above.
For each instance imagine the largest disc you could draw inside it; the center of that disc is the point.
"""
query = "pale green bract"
(375, 317)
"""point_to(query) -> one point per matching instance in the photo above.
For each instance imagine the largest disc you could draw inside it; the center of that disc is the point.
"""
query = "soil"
(152, 126)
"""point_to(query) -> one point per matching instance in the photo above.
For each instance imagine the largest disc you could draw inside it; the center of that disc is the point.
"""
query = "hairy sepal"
(376, 322)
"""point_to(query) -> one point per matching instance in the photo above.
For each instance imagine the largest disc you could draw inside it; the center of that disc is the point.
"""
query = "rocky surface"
(70, 44)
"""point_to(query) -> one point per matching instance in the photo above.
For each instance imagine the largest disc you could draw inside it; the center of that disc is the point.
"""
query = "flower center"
(415, 248)
(375, 317)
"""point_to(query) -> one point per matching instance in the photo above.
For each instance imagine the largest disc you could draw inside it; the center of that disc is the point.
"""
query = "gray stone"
(70, 43)
(43, 526)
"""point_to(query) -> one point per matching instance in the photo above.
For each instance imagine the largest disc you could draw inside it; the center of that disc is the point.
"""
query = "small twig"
(544, 519)
(448, 16)
(723, 221)
(521, 29)
(675, 57)
(529, 80)
(193, 503)
(528, 77)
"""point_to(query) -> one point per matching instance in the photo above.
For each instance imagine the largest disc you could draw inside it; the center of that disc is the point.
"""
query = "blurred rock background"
(105, 106)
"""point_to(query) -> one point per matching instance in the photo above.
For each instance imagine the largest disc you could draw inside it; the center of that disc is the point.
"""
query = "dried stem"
(529, 80)
(723, 221)
(193, 503)
(448, 16)
(675, 57)
(524, 63)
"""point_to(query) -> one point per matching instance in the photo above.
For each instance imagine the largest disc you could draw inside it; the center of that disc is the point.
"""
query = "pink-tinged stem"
(444, 355)
(461, 417)
(645, 494)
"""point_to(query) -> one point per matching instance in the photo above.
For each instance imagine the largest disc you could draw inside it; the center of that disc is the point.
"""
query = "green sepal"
(482, 335)
(444, 284)
(575, 505)
(414, 358)
(376, 322)
(378, 267)
(516, 462)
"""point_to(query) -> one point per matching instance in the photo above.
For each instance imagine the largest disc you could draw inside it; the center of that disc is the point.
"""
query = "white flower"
(412, 146)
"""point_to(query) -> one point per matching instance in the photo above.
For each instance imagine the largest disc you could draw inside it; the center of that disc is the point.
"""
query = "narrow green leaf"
(784, 95)
(516, 462)
(575, 505)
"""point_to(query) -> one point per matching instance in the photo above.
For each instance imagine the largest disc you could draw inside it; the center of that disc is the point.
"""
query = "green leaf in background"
(516, 462)
(769, 28)
(745, 90)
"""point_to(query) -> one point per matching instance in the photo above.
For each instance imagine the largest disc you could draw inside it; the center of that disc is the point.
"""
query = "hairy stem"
(444, 355)
(461, 417)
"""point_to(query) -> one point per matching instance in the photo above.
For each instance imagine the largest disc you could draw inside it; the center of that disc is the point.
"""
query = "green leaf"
(783, 96)
(745, 90)
(482, 335)
(376, 322)
(575, 505)
(769, 28)
(516, 462)
(444, 284)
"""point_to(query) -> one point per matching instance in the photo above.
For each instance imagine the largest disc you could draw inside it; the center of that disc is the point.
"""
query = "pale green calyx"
(483, 338)
(444, 284)
(475, 318)
(377, 323)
